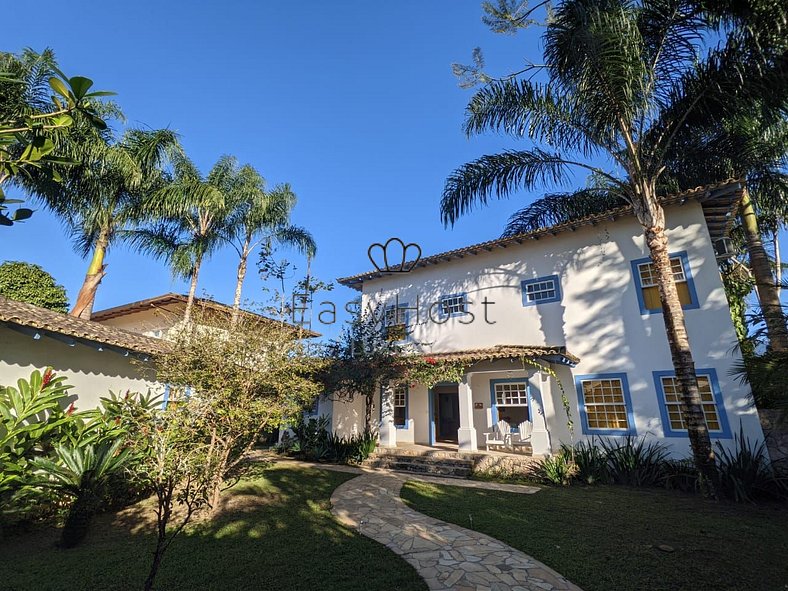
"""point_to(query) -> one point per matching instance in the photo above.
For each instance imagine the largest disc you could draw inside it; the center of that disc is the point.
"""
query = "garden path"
(446, 556)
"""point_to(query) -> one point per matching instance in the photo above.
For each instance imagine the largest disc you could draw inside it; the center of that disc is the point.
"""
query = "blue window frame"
(395, 321)
(669, 398)
(513, 394)
(605, 404)
(646, 283)
(541, 290)
(400, 402)
(455, 304)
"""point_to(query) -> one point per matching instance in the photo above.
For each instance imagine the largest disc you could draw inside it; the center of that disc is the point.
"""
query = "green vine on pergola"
(431, 371)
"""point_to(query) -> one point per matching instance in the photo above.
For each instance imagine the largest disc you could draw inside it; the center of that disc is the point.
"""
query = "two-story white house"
(578, 299)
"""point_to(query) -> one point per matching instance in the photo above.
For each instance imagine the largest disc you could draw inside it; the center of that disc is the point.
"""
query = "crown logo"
(391, 257)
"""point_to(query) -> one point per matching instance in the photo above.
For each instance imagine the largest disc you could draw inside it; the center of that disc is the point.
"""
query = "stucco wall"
(598, 318)
(150, 322)
(92, 373)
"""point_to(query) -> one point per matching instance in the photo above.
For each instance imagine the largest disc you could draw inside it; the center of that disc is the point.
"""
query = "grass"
(275, 532)
(606, 538)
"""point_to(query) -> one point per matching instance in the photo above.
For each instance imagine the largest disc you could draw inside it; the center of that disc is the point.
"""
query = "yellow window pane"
(651, 298)
(684, 294)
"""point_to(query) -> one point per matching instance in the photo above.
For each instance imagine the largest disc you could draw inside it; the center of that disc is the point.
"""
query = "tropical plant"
(590, 461)
(257, 216)
(31, 417)
(81, 473)
(105, 197)
(634, 461)
(559, 469)
(193, 210)
(614, 68)
(37, 101)
(26, 282)
(746, 474)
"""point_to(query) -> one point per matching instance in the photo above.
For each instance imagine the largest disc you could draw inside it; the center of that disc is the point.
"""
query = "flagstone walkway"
(447, 556)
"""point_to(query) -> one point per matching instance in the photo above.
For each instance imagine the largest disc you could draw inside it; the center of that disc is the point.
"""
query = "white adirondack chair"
(523, 437)
(499, 436)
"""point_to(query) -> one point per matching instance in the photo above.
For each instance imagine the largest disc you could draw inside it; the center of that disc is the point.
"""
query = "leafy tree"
(26, 282)
(614, 68)
(258, 216)
(38, 103)
(104, 198)
(359, 361)
(193, 210)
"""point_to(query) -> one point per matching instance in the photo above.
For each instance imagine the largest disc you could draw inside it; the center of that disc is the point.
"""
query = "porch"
(506, 404)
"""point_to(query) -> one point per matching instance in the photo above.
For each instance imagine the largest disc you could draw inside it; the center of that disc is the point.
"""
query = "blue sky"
(352, 102)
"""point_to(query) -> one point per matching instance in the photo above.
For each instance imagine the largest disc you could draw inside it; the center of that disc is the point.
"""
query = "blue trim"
(431, 413)
(494, 403)
(694, 302)
(398, 305)
(407, 413)
(464, 312)
(166, 398)
(556, 283)
(627, 402)
(722, 415)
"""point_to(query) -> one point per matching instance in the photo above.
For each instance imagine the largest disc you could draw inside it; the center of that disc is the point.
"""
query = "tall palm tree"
(751, 144)
(613, 68)
(104, 197)
(192, 210)
(258, 216)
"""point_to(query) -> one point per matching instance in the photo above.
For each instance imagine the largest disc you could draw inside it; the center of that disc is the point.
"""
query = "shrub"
(745, 472)
(635, 461)
(590, 460)
(558, 469)
(681, 475)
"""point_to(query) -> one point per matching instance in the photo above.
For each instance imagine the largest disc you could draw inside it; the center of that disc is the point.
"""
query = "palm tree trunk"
(83, 307)
(240, 276)
(187, 316)
(766, 287)
(683, 363)
(778, 262)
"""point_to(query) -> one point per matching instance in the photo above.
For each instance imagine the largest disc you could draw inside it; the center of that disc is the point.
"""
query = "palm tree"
(751, 144)
(103, 198)
(613, 68)
(259, 217)
(193, 210)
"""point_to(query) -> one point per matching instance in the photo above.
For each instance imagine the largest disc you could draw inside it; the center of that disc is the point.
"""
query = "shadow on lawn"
(268, 534)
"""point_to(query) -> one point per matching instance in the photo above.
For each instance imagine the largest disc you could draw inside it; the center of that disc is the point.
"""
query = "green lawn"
(277, 533)
(606, 538)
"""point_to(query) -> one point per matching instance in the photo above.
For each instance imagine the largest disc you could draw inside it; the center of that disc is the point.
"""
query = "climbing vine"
(570, 424)
(430, 371)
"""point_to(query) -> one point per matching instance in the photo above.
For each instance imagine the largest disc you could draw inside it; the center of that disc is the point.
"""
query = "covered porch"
(504, 404)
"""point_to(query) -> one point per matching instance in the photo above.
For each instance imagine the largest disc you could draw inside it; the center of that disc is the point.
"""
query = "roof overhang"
(719, 202)
(549, 354)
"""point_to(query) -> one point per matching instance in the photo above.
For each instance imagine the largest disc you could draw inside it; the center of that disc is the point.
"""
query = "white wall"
(92, 373)
(598, 318)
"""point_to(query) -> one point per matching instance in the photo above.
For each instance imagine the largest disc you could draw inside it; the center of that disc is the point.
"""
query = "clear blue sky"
(352, 102)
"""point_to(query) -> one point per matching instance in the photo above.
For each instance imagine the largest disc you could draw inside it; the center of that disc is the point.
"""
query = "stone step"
(439, 466)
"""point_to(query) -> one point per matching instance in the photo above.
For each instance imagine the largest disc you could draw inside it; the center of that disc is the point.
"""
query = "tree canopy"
(29, 283)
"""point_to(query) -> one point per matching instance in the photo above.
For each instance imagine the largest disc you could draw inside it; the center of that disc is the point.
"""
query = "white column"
(466, 434)
(540, 393)
(388, 432)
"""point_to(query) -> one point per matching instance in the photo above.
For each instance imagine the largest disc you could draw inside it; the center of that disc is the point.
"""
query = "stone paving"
(446, 556)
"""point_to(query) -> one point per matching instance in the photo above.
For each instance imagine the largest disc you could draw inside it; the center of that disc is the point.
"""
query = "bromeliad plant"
(82, 474)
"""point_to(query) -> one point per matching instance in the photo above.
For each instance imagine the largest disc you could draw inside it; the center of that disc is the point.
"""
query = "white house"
(579, 300)
(114, 350)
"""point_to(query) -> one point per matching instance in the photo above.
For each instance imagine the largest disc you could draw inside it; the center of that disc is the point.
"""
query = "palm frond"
(498, 176)
(559, 208)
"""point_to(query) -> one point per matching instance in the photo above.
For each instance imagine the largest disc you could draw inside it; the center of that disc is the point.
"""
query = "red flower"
(48, 375)
(70, 409)
(431, 360)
